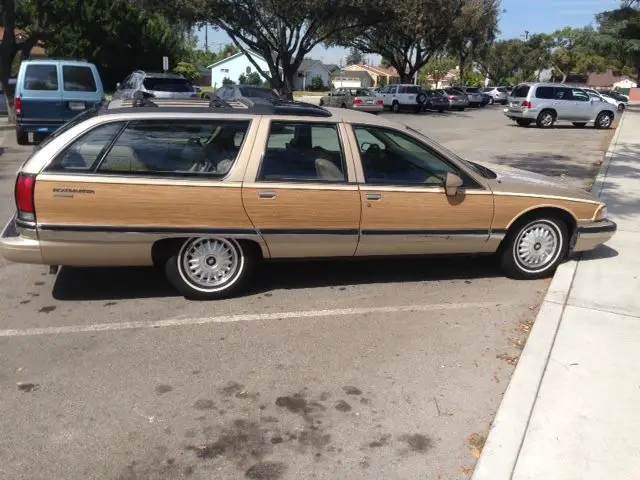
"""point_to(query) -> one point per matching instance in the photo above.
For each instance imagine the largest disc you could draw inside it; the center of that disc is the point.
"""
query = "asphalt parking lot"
(361, 370)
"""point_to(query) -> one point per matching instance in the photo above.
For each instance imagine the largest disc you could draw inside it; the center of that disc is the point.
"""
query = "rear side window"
(78, 79)
(254, 92)
(502, 90)
(521, 91)
(544, 92)
(83, 154)
(41, 77)
(161, 84)
(176, 148)
(308, 152)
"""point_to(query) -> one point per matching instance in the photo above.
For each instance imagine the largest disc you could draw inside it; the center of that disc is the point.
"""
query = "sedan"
(497, 94)
(473, 94)
(457, 99)
(436, 100)
(361, 99)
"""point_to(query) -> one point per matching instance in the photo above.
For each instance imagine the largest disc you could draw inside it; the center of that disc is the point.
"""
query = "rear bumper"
(590, 235)
(19, 244)
(526, 114)
(368, 108)
(39, 126)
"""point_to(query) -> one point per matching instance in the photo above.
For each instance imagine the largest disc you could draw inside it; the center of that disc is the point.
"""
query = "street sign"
(165, 63)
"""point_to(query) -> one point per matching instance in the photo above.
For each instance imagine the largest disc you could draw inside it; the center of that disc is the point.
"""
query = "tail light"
(18, 105)
(379, 102)
(527, 104)
(357, 101)
(25, 188)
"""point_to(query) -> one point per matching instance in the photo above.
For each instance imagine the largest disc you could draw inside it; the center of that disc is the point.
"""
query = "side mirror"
(452, 184)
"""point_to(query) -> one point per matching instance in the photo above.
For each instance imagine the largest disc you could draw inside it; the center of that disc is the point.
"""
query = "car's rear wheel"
(579, 124)
(604, 120)
(22, 137)
(523, 122)
(491, 101)
(534, 247)
(209, 268)
(546, 119)
(321, 103)
(395, 107)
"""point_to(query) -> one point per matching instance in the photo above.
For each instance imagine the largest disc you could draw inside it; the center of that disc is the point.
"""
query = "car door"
(562, 103)
(336, 98)
(81, 88)
(583, 107)
(405, 209)
(300, 192)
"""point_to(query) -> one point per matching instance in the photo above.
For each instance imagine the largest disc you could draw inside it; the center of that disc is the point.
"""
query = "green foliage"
(254, 78)
(317, 84)
(437, 68)
(619, 36)
(573, 52)
(354, 57)
(228, 81)
(242, 79)
(187, 70)
(473, 79)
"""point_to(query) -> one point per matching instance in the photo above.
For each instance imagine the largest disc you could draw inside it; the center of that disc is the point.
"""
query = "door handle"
(374, 196)
(267, 194)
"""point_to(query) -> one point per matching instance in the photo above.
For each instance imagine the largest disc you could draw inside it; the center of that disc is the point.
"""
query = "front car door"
(300, 191)
(583, 105)
(404, 206)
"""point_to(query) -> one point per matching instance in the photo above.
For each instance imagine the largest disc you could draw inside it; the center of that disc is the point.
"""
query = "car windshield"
(163, 84)
(256, 92)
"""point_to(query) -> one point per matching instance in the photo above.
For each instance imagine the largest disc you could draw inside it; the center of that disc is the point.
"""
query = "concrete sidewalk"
(572, 408)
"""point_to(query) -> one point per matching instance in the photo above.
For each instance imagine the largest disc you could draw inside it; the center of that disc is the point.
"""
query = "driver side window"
(393, 158)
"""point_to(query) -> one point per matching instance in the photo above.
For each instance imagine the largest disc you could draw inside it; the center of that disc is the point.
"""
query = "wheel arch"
(553, 111)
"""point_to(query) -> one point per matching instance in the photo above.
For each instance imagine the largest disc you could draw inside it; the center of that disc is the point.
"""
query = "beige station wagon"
(208, 190)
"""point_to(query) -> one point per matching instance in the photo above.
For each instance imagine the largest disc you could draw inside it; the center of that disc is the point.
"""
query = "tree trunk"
(11, 107)
(8, 51)
(286, 88)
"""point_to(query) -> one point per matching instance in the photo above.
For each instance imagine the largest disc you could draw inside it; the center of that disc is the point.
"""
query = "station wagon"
(206, 190)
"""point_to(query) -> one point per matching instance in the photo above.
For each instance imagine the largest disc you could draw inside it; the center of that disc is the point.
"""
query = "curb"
(508, 430)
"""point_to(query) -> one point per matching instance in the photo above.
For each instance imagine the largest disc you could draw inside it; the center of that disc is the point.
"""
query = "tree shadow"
(77, 284)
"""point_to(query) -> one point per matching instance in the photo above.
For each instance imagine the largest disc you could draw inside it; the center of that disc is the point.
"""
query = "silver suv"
(547, 103)
(160, 85)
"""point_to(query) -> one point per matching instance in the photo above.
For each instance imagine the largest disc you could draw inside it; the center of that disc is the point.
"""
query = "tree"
(474, 30)
(242, 79)
(503, 60)
(254, 78)
(385, 63)
(354, 57)
(227, 50)
(413, 32)
(573, 52)
(619, 35)
(317, 84)
(228, 81)
(437, 68)
(187, 70)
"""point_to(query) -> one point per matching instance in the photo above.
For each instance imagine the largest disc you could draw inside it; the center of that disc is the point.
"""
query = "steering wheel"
(373, 149)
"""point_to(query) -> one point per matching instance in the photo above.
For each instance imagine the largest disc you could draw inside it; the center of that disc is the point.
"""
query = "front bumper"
(368, 108)
(19, 244)
(590, 235)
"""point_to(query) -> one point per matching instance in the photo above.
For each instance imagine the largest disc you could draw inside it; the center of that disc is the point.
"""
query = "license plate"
(369, 102)
(77, 106)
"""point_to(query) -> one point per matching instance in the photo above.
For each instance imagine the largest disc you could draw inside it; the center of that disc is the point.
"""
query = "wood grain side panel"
(508, 208)
(303, 208)
(141, 205)
(425, 211)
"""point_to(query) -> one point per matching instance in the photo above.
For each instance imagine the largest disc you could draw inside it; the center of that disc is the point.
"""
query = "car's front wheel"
(209, 268)
(534, 247)
(621, 107)
(546, 119)
(604, 120)
(491, 101)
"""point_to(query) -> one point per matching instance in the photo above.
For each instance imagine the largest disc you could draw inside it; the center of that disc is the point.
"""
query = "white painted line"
(177, 322)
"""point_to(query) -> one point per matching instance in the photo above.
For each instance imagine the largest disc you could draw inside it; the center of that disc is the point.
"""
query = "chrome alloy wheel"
(605, 121)
(210, 264)
(537, 246)
(547, 119)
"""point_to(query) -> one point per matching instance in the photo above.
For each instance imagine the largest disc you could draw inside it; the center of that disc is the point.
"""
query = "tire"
(491, 101)
(579, 124)
(621, 107)
(523, 122)
(603, 120)
(441, 110)
(519, 254)
(343, 106)
(421, 98)
(395, 107)
(232, 260)
(546, 119)
(321, 103)
(22, 137)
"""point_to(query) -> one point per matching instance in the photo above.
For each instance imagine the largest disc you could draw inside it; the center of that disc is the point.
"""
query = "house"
(609, 80)
(308, 70)
(21, 36)
(235, 65)
(380, 75)
(351, 78)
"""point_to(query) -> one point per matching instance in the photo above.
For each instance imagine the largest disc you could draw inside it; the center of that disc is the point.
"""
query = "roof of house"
(21, 36)
(235, 55)
(386, 71)
(308, 64)
(332, 67)
(605, 79)
(350, 74)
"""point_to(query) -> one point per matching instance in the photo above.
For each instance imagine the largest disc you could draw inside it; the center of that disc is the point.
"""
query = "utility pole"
(206, 38)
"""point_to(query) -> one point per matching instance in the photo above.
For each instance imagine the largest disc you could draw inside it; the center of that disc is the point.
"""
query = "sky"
(534, 16)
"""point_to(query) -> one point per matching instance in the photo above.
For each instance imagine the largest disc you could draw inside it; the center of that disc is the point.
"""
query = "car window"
(361, 92)
(303, 152)
(579, 95)
(82, 155)
(256, 92)
(473, 90)
(487, 89)
(400, 160)
(162, 84)
(521, 91)
(561, 93)
(161, 147)
(78, 79)
(502, 90)
(41, 77)
(544, 92)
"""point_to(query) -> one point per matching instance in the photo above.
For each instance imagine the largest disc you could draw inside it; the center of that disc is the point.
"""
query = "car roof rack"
(260, 106)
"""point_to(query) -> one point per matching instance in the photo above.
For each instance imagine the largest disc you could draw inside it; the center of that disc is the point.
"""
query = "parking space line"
(177, 322)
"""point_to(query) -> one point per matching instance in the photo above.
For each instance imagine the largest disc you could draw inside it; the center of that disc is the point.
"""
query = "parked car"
(457, 100)
(51, 92)
(436, 100)
(620, 106)
(237, 92)
(355, 98)
(497, 94)
(617, 95)
(473, 95)
(208, 190)
(547, 103)
(405, 96)
(160, 85)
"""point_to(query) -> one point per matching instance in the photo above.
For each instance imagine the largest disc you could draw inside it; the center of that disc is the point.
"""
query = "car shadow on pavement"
(73, 284)
(550, 164)
(600, 253)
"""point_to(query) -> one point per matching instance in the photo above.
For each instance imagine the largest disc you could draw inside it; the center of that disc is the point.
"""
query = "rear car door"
(40, 92)
(404, 206)
(81, 88)
(583, 106)
(300, 192)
